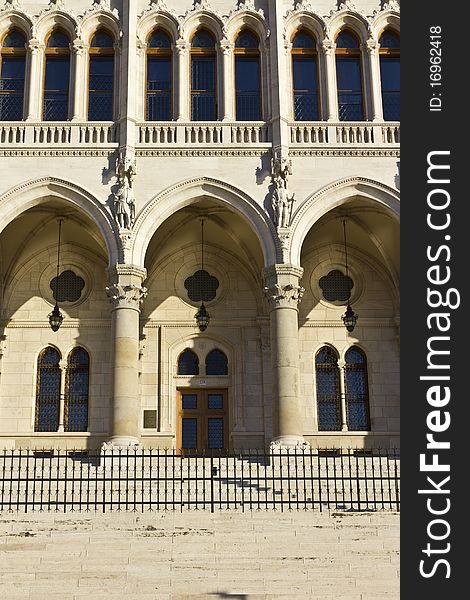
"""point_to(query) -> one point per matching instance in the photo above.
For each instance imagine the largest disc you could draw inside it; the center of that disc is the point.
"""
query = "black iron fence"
(141, 480)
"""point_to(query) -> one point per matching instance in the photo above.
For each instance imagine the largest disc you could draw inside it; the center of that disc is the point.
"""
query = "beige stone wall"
(203, 556)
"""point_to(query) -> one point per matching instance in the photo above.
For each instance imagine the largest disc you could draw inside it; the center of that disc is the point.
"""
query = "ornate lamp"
(55, 317)
(349, 317)
(202, 316)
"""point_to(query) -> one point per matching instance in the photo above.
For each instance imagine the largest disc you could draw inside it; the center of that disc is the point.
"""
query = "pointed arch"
(77, 377)
(188, 363)
(47, 390)
(54, 19)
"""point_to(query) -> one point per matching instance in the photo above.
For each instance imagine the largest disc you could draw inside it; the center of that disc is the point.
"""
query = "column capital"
(126, 289)
(78, 47)
(282, 287)
(371, 46)
(328, 47)
(181, 47)
(34, 46)
(226, 46)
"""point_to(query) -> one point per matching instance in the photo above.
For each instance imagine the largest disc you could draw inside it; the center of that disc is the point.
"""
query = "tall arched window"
(348, 77)
(76, 391)
(47, 391)
(12, 70)
(158, 104)
(247, 77)
(216, 363)
(305, 77)
(328, 390)
(357, 390)
(188, 363)
(389, 54)
(101, 77)
(203, 77)
(57, 77)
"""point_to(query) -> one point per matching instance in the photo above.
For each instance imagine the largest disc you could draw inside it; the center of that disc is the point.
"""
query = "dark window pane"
(48, 391)
(101, 39)
(68, 287)
(215, 401)
(328, 390)
(303, 39)
(390, 77)
(12, 88)
(76, 391)
(188, 363)
(203, 97)
(389, 39)
(189, 434)
(216, 363)
(246, 39)
(357, 392)
(189, 401)
(346, 40)
(56, 88)
(305, 88)
(203, 39)
(100, 88)
(247, 86)
(348, 74)
(215, 433)
(159, 89)
(201, 286)
(14, 39)
(58, 40)
(159, 39)
(336, 286)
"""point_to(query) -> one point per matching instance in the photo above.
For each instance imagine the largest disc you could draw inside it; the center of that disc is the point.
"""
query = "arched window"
(203, 77)
(47, 391)
(247, 77)
(158, 104)
(188, 363)
(57, 78)
(357, 390)
(12, 70)
(348, 77)
(305, 77)
(76, 391)
(389, 54)
(101, 77)
(216, 363)
(328, 390)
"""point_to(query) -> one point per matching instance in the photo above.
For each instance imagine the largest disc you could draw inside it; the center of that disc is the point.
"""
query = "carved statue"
(282, 204)
(124, 205)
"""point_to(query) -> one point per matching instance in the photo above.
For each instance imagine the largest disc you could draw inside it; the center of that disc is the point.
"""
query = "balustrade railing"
(363, 133)
(57, 134)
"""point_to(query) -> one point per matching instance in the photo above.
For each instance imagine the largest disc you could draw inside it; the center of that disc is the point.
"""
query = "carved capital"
(34, 46)
(226, 47)
(286, 296)
(182, 47)
(126, 296)
(371, 47)
(328, 47)
(79, 48)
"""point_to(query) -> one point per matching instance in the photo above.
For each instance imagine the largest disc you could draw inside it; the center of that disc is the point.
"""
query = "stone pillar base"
(285, 443)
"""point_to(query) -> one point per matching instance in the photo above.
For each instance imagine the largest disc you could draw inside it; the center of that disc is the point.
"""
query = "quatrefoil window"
(68, 288)
(336, 286)
(201, 286)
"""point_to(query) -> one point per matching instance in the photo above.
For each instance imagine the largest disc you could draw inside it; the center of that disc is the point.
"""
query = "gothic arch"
(183, 194)
(348, 19)
(15, 18)
(250, 20)
(309, 21)
(96, 20)
(202, 18)
(155, 19)
(27, 195)
(332, 196)
(51, 19)
(384, 19)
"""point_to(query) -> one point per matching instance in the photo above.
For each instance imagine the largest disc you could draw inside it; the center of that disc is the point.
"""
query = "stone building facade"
(132, 123)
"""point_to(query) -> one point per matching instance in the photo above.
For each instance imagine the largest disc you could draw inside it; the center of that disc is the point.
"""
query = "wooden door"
(202, 421)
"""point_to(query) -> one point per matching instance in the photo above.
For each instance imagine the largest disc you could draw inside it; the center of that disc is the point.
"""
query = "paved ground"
(198, 555)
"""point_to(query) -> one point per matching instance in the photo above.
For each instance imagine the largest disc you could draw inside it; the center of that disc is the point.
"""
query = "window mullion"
(343, 399)
(62, 399)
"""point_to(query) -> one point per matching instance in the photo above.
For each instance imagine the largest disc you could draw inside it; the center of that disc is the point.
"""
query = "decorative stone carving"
(130, 296)
(58, 4)
(282, 204)
(391, 5)
(124, 200)
(289, 444)
(11, 4)
(288, 295)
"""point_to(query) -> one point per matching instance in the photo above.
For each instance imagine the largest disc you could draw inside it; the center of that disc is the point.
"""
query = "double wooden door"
(202, 421)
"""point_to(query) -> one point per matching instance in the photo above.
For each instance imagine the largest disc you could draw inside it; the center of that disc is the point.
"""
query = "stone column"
(374, 80)
(330, 76)
(126, 294)
(226, 50)
(284, 293)
(80, 91)
(342, 389)
(183, 80)
(63, 374)
(36, 59)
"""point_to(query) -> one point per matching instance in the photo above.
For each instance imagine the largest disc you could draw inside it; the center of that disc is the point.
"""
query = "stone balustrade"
(344, 134)
(57, 133)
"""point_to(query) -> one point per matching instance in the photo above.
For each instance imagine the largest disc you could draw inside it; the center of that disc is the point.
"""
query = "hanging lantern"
(350, 317)
(202, 316)
(55, 317)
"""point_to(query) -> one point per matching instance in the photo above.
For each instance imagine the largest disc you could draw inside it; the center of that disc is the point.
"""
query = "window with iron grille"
(12, 72)
(68, 287)
(216, 363)
(76, 391)
(357, 390)
(159, 77)
(101, 77)
(305, 77)
(247, 77)
(389, 54)
(328, 390)
(188, 363)
(336, 286)
(201, 286)
(203, 77)
(348, 77)
(56, 81)
(47, 391)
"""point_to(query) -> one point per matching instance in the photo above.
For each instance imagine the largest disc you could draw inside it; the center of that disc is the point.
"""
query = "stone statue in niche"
(124, 200)
(282, 204)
